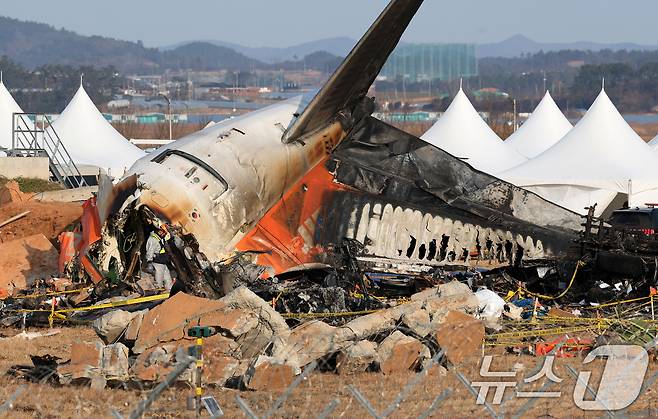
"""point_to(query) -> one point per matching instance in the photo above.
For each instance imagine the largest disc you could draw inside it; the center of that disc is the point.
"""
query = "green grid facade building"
(423, 62)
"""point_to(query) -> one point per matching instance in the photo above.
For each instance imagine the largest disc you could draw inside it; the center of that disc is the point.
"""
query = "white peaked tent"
(463, 133)
(8, 107)
(654, 143)
(599, 158)
(545, 127)
(91, 140)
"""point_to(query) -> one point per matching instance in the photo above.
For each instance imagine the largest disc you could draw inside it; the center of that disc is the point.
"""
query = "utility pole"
(168, 112)
(514, 127)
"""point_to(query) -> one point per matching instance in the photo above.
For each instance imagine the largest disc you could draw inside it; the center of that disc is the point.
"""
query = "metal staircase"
(31, 139)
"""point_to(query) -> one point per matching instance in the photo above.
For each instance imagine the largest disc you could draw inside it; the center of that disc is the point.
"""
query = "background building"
(424, 62)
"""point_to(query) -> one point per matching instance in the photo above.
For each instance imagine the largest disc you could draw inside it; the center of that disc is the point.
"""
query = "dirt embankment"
(47, 218)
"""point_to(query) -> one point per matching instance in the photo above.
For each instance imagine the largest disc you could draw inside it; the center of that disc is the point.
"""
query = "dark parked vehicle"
(636, 220)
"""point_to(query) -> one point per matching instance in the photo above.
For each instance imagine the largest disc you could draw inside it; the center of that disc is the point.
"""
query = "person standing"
(157, 257)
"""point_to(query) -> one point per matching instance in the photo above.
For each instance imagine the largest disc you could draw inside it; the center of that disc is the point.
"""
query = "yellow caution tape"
(615, 303)
(523, 290)
(540, 332)
(321, 315)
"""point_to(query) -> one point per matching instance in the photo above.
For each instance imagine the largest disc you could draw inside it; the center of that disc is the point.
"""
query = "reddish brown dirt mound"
(47, 218)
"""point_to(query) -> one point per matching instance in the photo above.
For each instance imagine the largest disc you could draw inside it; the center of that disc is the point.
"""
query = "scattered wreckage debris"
(255, 347)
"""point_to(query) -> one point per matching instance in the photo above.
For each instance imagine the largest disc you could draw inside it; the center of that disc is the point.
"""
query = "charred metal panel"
(430, 234)
(380, 159)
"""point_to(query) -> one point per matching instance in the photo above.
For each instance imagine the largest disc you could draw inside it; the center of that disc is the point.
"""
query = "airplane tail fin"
(351, 81)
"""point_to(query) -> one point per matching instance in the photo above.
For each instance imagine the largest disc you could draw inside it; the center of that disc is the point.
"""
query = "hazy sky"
(288, 22)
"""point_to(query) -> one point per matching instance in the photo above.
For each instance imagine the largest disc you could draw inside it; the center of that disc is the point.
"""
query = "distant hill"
(206, 56)
(519, 44)
(339, 46)
(37, 44)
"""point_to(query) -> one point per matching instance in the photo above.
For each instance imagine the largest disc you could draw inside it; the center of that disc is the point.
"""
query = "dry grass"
(50, 401)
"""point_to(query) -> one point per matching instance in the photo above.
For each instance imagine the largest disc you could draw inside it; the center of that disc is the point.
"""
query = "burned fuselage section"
(407, 202)
(233, 206)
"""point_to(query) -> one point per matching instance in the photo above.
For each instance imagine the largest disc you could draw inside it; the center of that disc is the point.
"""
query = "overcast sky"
(288, 22)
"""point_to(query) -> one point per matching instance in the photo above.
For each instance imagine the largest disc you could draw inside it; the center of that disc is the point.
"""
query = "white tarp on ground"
(91, 140)
(545, 127)
(463, 133)
(8, 107)
(599, 158)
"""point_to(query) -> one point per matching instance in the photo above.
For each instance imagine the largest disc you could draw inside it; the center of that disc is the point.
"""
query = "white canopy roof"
(8, 107)
(654, 143)
(91, 140)
(545, 127)
(600, 157)
(463, 133)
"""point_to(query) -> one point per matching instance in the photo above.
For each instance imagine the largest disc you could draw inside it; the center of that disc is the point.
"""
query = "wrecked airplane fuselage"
(271, 185)
(212, 187)
(406, 200)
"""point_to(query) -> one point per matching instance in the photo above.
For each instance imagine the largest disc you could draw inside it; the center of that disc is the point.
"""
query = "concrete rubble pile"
(256, 348)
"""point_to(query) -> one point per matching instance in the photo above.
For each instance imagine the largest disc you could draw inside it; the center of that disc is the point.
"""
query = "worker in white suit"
(157, 257)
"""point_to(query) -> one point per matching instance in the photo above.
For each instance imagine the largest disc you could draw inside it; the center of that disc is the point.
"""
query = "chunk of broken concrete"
(132, 331)
(267, 373)
(235, 314)
(243, 298)
(114, 363)
(307, 342)
(399, 352)
(169, 321)
(235, 322)
(25, 260)
(418, 322)
(442, 290)
(460, 336)
(112, 324)
(357, 357)
(85, 362)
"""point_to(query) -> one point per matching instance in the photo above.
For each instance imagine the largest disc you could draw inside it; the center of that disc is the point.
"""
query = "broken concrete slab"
(399, 352)
(375, 323)
(267, 373)
(86, 354)
(236, 314)
(439, 307)
(307, 342)
(234, 322)
(168, 321)
(25, 260)
(132, 331)
(110, 326)
(155, 363)
(314, 340)
(243, 298)
(443, 290)
(85, 362)
(357, 357)
(460, 336)
(114, 362)
(418, 322)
